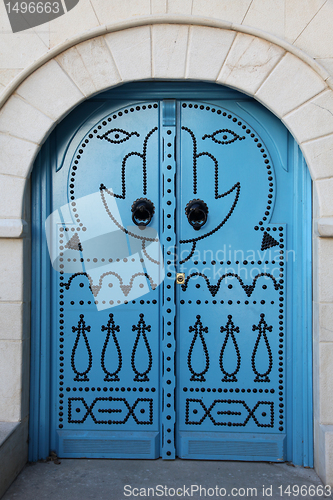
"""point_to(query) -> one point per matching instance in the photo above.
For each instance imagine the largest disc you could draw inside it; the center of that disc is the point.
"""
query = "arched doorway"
(185, 203)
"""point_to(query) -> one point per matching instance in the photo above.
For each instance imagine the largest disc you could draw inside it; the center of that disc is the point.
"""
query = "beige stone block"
(25, 379)
(296, 18)
(11, 379)
(20, 119)
(328, 478)
(72, 63)
(11, 325)
(11, 196)
(323, 227)
(324, 188)
(18, 228)
(315, 202)
(11, 271)
(158, 7)
(268, 15)
(4, 20)
(327, 63)
(227, 10)
(318, 155)
(323, 256)
(77, 20)
(16, 155)
(290, 84)
(249, 62)
(26, 291)
(18, 50)
(326, 322)
(207, 49)
(319, 448)
(316, 378)
(100, 65)
(51, 90)
(313, 119)
(169, 50)
(8, 74)
(112, 11)
(326, 382)
(43, 31)
(180, 7)
(315, 322)
(131, 50)
(317, 37)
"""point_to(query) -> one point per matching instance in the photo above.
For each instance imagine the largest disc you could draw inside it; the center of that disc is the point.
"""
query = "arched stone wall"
(283, 79)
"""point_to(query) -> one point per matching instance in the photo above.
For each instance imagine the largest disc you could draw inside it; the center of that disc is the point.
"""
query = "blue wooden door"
(171, 232)
(232, 297)
(106, 262)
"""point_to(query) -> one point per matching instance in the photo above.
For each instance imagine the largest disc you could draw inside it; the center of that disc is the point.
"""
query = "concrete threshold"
(84, 479)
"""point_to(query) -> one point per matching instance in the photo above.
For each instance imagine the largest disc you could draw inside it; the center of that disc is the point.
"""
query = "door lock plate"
(180, 278)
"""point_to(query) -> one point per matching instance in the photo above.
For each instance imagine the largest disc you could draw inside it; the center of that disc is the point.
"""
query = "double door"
(171, 290)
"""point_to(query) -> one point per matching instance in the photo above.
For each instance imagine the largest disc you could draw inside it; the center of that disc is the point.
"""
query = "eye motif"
(224, 136)
(117, 135)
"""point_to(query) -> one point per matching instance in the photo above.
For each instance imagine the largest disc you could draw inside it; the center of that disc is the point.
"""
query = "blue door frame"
(299, 448)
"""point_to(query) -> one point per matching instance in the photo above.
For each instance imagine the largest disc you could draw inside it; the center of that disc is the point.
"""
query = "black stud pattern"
(197, 407)
(145, 404)
(216, 167)
(81, 330)
(114, 135)
(198, 330)
(111, 330)
(268, 241)
(262, 327)
(114, 220)
(141, 328)
(124, 288)
(146, 254)
(198, 238)
(74, 243)
(231, 329)
(143, 157)
(248, 289)
(189, 255)
(228, 136)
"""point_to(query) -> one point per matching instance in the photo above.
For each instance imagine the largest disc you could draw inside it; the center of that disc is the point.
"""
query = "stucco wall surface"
(279, 51)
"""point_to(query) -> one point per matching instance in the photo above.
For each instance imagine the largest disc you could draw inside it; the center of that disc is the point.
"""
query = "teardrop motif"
(198, 341)
(111, 329)
(230, 341)
(81, 337)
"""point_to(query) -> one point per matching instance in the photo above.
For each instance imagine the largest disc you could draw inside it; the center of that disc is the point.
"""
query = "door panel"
(145, 364)
(107, 362)
(231, 315)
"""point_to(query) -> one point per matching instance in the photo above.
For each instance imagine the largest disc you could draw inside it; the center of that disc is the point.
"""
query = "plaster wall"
(278, 51)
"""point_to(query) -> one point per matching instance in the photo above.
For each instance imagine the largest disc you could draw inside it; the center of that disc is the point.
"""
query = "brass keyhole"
(180, 278)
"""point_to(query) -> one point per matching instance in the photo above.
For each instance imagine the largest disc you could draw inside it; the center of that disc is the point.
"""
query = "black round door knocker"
(196, 212)
(142, 211)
